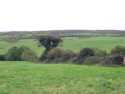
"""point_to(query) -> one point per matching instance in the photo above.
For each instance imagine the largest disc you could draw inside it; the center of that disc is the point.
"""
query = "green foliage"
(72, 43)
(99, 52)
(93, 60)
(114, 59)
(49, 42)
(14, 54)
(83, 54)
(29, 55)
(20, 54)
(60, 55)
(118, 50)
(2, 58)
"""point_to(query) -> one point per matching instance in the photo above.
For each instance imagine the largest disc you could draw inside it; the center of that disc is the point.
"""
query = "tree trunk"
(44, 55)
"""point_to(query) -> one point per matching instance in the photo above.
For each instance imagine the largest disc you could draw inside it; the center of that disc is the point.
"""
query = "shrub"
(84, 53)
(13, 54)
(28, 55)
(99, 52)
(115, 59)
(118, 50)
(20, 54)
(68, 55)
(2, 58)
(59, 55)
(93, 60)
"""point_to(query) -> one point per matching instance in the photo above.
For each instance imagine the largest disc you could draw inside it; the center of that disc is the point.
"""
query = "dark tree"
(48, 42)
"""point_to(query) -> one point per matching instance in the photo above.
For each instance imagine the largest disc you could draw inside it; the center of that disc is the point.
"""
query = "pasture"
(29, 78)
(72, 43)
(20, 77)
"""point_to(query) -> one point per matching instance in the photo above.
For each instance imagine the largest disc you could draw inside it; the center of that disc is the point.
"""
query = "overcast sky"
(61, 14)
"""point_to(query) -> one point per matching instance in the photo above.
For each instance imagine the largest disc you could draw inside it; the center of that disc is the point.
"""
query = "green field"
(105, 43)
(30, 78)
(33, 78)
(75, 44)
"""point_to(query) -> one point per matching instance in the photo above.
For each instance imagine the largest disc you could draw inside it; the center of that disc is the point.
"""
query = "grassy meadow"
(30, 78)
(19, 77)
(72, 43)
(105, 43)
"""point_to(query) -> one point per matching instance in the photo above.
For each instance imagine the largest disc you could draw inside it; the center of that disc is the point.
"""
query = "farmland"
(29, 78)
(72, 43)
(23, 77)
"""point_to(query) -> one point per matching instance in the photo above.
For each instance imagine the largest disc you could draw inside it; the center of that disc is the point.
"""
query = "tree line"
(53, 54)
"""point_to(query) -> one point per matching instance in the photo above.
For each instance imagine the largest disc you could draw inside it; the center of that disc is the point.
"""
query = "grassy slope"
(33, 44)
(105, 43)
(29, 78)
(74, 44)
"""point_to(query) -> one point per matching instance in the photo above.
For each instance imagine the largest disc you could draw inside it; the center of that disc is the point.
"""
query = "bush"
(118, 50)
(2, 58)
(20, 54)
(84, 53)
(99, 52)
(13, 54)
(115, 59)
(59, 55)
(68, 55)
(93, 60)
(28, 55)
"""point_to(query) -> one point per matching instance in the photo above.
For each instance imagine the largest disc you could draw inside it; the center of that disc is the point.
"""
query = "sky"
(29, 15)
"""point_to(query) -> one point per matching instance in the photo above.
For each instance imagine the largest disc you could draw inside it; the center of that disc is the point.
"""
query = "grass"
(29, 78)
(75, 44)
(33, 44)
(105, 43)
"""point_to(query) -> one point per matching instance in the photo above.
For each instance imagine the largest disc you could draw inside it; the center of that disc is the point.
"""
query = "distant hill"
(63, 33)
(106, 31)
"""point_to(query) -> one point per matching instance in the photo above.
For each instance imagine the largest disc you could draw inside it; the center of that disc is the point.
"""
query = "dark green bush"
(118, 50)
(114, 59)
(28, 55)
(20, 54)
(93, 60)
(60, 55)
(83, 54)
(99, 52)
(68, 55)
(14, 54)
(2, 58)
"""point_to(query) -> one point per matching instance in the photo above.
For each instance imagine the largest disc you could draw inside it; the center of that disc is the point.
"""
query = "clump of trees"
(85, 56)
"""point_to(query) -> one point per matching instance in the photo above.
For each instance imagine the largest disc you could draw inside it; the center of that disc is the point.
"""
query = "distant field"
(33, 44)
(105, 43)
(29, 78)
(71, 43)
